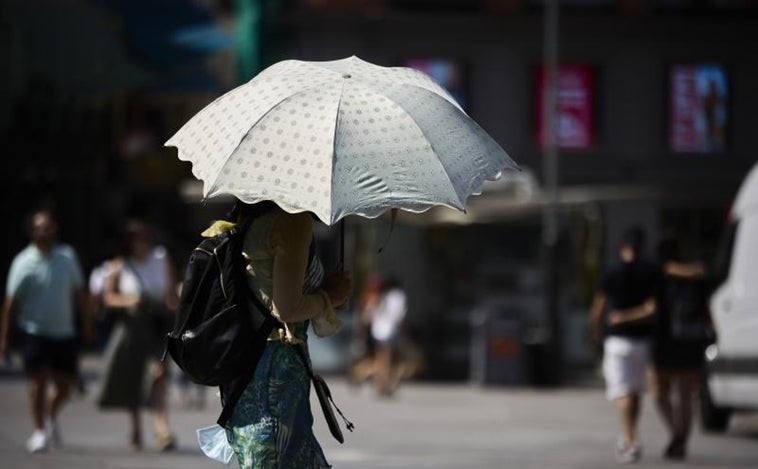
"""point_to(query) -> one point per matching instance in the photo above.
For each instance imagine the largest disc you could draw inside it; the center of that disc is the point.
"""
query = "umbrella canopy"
(339, 138)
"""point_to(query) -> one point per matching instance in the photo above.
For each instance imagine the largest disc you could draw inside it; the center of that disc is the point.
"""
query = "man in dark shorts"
(623, 315)
(44, 282)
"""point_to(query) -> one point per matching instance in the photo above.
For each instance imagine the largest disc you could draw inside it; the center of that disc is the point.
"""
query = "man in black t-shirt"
(623, 313)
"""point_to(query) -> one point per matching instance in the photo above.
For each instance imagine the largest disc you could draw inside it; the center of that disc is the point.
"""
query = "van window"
(745, 257)
(722, 261)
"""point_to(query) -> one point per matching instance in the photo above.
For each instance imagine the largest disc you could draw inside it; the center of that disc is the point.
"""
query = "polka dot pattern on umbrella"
(339, 138)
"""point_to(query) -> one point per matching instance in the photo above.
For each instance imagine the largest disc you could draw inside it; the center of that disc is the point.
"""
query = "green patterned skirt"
(272, 424)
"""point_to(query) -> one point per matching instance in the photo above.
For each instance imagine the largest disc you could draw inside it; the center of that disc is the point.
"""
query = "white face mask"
(213, 443)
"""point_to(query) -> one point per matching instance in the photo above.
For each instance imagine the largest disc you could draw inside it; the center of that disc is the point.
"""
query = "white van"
(732, 362)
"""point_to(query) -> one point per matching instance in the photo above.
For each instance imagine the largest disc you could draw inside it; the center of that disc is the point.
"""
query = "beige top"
(276, 246)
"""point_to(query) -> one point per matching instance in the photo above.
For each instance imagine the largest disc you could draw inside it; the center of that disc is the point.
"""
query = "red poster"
(575, 126)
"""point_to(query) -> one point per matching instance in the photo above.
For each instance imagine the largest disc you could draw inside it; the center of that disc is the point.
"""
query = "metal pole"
(550, 177)
(550, 155)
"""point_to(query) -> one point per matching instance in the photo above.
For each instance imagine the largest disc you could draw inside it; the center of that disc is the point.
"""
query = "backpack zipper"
(220, 269)
(205, 251)
(220, 274)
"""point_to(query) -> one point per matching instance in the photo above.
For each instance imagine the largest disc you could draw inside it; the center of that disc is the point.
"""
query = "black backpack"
(221, 327)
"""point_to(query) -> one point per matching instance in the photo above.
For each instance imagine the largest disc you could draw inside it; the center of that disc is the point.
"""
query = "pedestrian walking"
(362, 344)
(43, 291)
(386, 323)
(271, 425)
(623, 313)
(683, 332)
(141, 289)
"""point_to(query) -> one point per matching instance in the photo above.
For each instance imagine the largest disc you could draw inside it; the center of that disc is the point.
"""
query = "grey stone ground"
(425, 426)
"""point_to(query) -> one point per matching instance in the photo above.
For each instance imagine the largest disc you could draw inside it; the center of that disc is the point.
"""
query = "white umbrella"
(339, 138)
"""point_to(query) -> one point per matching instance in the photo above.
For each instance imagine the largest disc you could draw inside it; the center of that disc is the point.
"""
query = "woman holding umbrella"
(271, 425)
(336, 138)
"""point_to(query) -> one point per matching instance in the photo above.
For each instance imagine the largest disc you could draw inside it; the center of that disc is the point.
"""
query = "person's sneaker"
(37, 442)
(165, 442)
(676, 450)
(54, 433)
(627, 453)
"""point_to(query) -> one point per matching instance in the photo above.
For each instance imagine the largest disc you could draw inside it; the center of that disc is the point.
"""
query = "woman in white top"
(386, 323)
(140, 285)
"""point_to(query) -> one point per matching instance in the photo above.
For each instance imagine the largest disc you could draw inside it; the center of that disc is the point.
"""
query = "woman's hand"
(111, 295)
(339, 286)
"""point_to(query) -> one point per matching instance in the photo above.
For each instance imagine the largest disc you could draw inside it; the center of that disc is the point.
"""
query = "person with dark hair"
(272, 424)
(683, 332)
(623, 313)
(141, 286)
(44, 288)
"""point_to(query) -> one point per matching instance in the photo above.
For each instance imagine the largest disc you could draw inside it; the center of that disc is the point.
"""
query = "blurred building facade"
(95, 87)
(91, 91)
(630, 127)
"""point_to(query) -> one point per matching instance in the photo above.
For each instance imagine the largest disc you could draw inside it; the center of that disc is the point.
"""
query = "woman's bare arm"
(112, 297)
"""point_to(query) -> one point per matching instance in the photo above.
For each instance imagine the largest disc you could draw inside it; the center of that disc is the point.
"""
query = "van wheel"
(713, 419)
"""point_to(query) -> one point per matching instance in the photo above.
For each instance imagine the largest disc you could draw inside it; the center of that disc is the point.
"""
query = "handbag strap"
(300, 349)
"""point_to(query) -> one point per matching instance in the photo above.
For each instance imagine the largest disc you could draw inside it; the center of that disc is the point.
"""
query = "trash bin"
(537, 369)
(497, 351)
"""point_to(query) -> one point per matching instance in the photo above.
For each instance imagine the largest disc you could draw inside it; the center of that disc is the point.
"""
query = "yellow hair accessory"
(218, 227)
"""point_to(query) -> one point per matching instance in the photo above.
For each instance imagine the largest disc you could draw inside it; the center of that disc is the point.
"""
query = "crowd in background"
(122, 310)
(652, 316)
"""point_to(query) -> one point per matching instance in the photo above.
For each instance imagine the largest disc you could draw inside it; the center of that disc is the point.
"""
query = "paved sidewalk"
(424, 426)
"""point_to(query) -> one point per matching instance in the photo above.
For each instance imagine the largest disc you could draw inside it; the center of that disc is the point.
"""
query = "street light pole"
(550, 181)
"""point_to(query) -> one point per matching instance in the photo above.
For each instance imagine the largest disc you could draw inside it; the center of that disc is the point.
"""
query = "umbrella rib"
(334, 146)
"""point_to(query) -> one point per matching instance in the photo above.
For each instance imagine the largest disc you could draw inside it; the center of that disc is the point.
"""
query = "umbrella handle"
(342, 244)
(341, 265)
